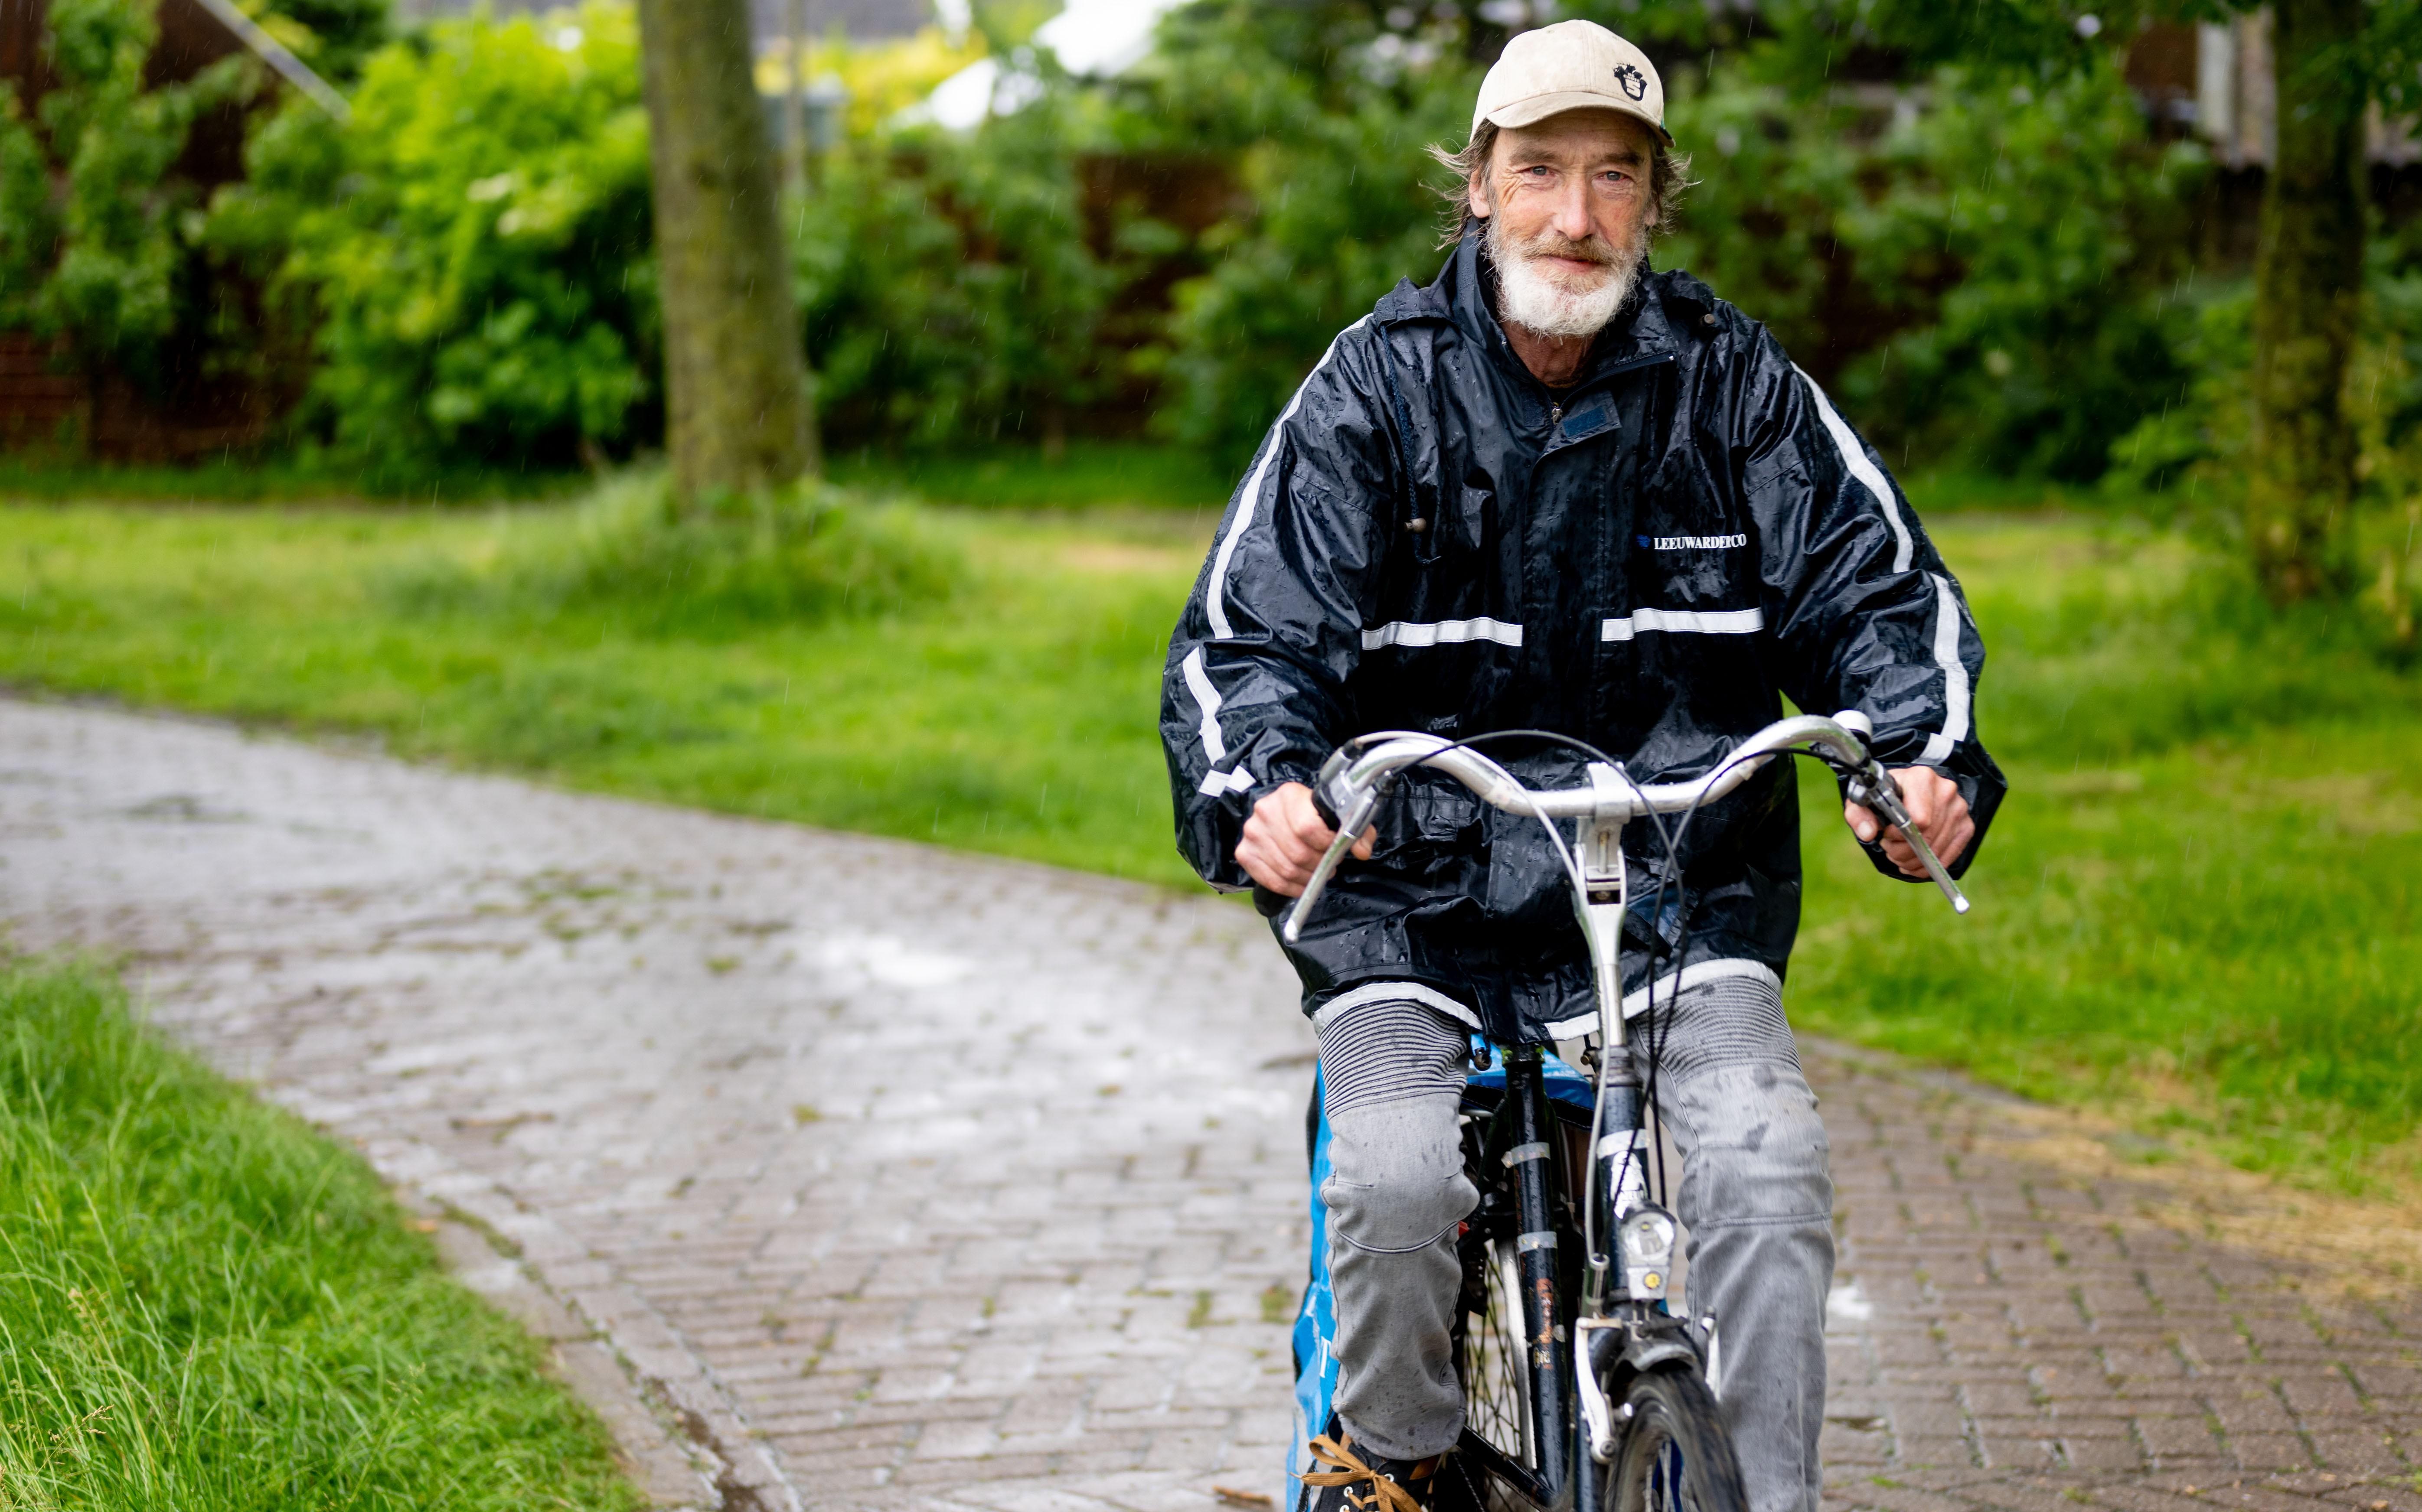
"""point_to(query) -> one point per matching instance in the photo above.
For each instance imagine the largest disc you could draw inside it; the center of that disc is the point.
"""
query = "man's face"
(1568, 208)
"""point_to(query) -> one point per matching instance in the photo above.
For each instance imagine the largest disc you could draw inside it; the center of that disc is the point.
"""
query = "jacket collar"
(1464, 295)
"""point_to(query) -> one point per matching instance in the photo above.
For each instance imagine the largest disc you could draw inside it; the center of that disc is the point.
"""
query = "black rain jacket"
(1650, 560)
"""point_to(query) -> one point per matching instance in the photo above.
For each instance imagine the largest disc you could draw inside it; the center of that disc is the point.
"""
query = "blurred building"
(2215, 83)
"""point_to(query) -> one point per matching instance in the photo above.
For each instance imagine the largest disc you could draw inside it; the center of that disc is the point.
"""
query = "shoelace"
(1385, 1493)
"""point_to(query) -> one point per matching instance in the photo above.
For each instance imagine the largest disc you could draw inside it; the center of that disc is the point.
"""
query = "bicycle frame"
(1618, 1324)
(1521, 1128)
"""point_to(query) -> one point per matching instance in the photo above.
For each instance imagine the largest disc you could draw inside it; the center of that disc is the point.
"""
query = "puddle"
(886, 961)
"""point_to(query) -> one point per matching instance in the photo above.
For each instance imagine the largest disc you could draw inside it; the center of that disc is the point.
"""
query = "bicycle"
(1582, 1388)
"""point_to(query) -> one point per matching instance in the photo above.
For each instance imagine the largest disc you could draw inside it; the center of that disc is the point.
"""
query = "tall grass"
(205, 1306)
(632, 554)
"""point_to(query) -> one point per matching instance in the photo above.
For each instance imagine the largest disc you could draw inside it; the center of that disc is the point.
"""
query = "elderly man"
(1556, 491)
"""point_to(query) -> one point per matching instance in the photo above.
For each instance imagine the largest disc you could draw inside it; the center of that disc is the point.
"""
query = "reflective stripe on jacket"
(1650, 560)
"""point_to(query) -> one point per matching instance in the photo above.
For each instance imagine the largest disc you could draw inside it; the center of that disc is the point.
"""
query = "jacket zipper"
(1556, 407)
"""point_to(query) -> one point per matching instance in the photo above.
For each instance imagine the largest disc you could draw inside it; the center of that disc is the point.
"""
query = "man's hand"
(1285, 839)
(1934, 807)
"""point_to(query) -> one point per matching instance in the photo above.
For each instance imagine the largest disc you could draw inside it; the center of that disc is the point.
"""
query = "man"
(1554, 489)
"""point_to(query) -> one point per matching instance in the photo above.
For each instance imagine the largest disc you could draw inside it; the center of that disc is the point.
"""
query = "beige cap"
(1572, 65)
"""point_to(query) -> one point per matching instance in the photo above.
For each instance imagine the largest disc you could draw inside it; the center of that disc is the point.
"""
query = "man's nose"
(1573, 210)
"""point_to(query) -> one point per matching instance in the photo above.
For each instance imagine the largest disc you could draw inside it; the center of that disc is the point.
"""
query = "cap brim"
(1539, 107)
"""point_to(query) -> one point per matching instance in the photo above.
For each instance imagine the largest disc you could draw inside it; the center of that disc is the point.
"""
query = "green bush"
(101, 244)
(472, 252)
(1990, 278)
(96, 259)
(1992, 272)
(208, 1307)
(948, 289)
(1325, 111)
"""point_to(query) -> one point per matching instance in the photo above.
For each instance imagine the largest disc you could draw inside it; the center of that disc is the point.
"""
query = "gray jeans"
(1757, 1196)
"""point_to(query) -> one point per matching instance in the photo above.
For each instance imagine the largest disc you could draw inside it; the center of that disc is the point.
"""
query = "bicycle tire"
(1490, 1355)
(1491, 1351)
(1675, 1455)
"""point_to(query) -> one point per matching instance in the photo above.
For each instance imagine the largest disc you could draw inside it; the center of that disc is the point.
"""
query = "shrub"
(91, 243)
(1990, 278)
(949, 287)
(99, 235)
(473, 250)
(1327, 110)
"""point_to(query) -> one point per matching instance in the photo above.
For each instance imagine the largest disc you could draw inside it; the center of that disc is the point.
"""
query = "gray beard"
(1540, 305)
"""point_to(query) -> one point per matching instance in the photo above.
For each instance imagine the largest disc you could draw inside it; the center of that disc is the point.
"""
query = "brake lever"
(1875, 788)
(1347, 809)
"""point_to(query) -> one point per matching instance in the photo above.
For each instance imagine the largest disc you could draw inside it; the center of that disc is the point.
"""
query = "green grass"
(1018, 715)
(2198, 904)
(239, 479)
(205, 1306)
(1091, 475)
(2200, 901)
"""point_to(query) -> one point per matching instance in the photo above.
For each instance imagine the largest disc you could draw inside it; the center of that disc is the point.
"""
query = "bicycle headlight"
(1649, 1237)
(1646, 1236)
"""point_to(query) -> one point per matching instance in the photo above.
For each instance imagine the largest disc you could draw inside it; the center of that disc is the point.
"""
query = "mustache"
(1554, 244)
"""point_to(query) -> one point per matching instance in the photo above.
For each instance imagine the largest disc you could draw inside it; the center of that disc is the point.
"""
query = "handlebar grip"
(1320, 806)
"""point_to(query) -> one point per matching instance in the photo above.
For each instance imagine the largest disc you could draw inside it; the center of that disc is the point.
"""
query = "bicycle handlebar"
(1354, 780)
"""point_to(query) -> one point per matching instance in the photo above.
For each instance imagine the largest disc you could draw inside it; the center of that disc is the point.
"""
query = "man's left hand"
(1935, 807)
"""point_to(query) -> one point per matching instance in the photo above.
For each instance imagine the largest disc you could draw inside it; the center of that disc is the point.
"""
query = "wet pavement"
(885, 1176)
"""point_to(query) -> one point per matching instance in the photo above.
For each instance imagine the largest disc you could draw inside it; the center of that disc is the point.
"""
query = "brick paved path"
(902, 1179)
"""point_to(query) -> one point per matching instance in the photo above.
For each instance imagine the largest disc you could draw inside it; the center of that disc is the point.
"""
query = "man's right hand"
(1285, 839)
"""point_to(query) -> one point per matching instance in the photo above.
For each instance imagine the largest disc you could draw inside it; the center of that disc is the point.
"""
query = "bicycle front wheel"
(1676, 1456)
(1492, 1357)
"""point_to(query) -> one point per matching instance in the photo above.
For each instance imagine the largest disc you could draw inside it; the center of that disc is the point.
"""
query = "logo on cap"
(1631, 80)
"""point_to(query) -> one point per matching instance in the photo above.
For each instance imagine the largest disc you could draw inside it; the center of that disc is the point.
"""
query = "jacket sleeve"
(1255, 692)
(1859, 606)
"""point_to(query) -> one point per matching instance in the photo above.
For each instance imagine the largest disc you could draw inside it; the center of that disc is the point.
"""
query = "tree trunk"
(737, 411)
(2307, 291)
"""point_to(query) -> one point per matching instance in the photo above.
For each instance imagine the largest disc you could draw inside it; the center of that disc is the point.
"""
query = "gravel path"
(895, 1177)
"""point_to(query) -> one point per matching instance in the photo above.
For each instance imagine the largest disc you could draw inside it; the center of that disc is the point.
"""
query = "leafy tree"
(2308, 293)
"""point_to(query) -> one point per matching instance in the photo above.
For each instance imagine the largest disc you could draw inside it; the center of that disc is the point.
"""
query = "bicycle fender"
(1646, 1351)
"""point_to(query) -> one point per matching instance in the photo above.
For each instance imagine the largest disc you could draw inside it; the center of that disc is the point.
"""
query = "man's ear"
(1476, 197)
